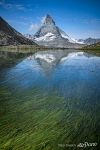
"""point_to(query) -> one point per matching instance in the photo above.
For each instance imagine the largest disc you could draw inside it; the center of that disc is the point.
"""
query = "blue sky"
(78, 18)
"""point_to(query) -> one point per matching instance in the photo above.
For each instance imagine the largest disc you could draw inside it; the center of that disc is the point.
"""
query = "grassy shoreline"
(20, 48)
(29, 48)
(92, 51)
(32, 48)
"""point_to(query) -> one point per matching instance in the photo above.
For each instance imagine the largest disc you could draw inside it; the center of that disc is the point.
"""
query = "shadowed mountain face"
(9, 36)
(52, 36)
(49, 20)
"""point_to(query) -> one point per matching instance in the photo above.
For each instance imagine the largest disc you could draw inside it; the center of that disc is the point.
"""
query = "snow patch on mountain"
(80, 41)
(47, 37)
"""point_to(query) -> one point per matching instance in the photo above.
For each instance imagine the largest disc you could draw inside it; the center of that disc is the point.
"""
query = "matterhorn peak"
(48, 20)
(50, 35)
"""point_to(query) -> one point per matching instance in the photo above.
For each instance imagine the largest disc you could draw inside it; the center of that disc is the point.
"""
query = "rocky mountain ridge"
(9, 36)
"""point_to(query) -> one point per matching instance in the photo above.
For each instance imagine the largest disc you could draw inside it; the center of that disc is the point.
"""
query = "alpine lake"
(50, 100)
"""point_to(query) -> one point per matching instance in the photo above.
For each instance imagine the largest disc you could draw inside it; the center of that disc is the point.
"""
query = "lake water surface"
(50, 98)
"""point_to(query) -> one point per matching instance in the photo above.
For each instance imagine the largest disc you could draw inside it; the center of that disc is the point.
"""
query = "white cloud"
(43, 19)
(34, 27)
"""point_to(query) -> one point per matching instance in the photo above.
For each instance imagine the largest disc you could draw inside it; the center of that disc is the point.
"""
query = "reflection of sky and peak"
(70, 74)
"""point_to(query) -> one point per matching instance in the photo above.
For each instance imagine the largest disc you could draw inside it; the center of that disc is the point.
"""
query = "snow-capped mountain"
(51, 35)
(29, 36)
(89, 41)
(48, 31)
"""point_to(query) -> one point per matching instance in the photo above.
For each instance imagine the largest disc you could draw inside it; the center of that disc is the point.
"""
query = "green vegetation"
(26, 48)
(94, 48)
(20, 48)
(34, 120)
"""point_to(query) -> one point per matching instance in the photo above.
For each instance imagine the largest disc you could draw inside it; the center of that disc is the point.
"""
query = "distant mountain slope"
(89, 41)
(51, 35)
(9, 36)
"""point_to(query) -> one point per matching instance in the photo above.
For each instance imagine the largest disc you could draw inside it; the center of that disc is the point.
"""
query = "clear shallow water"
(75, 74)
(50, 98)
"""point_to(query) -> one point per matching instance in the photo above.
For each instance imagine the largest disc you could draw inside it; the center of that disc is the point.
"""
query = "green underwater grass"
(34, 120)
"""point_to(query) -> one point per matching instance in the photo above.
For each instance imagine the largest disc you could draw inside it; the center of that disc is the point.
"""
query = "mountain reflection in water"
(70, 74)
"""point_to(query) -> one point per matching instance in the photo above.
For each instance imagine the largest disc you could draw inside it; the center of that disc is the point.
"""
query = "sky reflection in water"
(73, 75)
